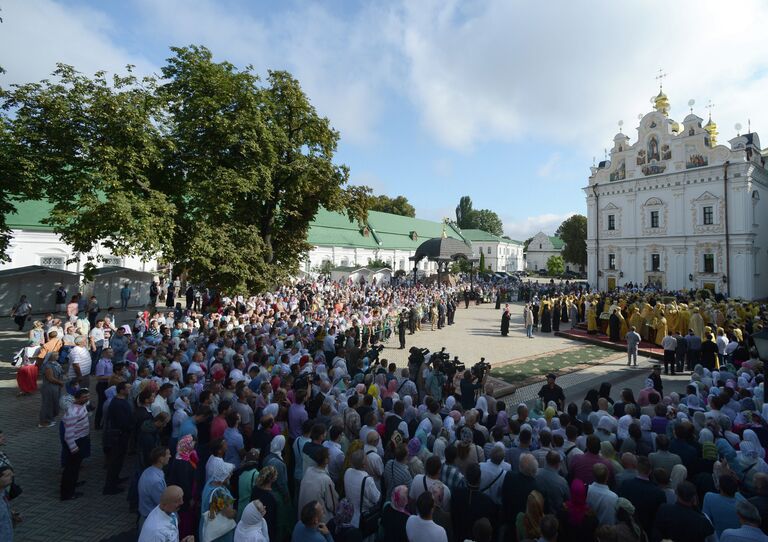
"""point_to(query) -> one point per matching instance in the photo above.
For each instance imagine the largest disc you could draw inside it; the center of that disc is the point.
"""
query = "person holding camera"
(469, 386)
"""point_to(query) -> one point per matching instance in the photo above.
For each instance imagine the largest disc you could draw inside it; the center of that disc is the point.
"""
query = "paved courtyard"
(35, 452)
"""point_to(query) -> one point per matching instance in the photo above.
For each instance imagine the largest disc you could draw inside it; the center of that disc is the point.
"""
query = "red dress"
(26, 378)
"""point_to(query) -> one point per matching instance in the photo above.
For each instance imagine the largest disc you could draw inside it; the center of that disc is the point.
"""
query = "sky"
(506, 101)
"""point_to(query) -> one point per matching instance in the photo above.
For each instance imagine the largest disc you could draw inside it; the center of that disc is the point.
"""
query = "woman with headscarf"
(182, 473)
(285, 514)
(528, 523)
(415, 464)
(626, 528)
(395, 515)
(577, 520)
(218, 501)
(467, 452)
(679, 474)
(341, 527)
(269, 497)
(607, 451)
(252, 527)
(750, 464)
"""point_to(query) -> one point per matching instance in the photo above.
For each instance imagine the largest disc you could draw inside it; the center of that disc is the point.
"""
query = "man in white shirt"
(80, 363)
(423, 483)
(492, 473)
(162, 524)
(336, 462)
(374, 461)
(161, 400)
(600, 498)
(421, 528)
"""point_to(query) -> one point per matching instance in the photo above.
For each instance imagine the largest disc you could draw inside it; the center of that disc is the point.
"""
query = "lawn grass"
(520, 371)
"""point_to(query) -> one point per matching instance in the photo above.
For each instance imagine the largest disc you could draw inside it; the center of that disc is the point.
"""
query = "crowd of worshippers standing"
(272, 419)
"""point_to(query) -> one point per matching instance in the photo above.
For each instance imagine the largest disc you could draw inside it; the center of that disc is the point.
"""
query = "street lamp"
(761, 345)
(690, 277)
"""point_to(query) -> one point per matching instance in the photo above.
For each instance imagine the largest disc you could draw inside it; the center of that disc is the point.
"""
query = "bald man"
(162, 523)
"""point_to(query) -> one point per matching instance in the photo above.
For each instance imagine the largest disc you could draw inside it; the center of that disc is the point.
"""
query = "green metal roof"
(30, 215)
(557, 243)
(395, 231)
(331, 229)
(482, 235)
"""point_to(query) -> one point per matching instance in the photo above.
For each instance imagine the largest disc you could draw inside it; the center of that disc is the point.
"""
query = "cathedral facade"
(678, 210)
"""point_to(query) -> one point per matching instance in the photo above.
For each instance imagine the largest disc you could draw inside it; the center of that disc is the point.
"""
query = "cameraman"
(469, 386)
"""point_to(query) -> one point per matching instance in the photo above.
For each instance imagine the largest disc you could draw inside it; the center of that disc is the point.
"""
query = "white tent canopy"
(38, 283)
(108, 281)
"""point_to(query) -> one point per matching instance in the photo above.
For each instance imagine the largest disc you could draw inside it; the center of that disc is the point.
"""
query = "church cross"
(660, 77)
(710, 106)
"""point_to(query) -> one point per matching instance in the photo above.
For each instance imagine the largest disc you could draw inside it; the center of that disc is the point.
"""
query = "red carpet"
(646, 349)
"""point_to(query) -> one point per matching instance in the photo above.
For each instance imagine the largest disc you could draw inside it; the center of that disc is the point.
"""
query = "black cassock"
(556, 318)
(546, 320)
(505, 324)
(614, 324)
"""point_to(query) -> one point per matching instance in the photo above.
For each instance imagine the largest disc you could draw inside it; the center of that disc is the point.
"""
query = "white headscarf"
(252, 527)
(277, 445)
(751, 436)
(624, 422)
(221, 470)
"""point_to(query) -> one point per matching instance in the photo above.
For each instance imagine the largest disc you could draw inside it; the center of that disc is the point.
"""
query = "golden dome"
(662, 103)
(711, 128)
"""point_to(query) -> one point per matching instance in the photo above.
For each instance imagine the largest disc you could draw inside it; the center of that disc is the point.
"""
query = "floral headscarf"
(400, 499)
(185, 450)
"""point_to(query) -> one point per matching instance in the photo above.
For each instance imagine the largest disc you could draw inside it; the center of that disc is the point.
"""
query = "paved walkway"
(35, 452)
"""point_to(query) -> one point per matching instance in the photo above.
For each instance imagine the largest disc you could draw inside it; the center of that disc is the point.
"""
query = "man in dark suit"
(681, 521)
(643, 494)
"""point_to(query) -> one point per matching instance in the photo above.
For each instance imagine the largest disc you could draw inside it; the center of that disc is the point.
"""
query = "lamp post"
(761, 345)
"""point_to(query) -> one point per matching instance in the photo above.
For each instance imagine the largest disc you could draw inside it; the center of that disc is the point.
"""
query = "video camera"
(480, 369)
(416, 355)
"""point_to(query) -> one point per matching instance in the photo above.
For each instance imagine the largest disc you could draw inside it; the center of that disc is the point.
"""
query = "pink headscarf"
(577, 507)
(390, 390)
(400, 499)
(185, 450)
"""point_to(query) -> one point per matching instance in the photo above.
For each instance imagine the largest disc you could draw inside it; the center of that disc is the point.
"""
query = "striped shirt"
(76, 425)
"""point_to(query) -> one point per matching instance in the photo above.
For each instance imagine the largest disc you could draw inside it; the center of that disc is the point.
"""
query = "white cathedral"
(679, 210)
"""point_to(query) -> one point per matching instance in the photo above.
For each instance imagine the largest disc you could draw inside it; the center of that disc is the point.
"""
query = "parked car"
(543, 272)
(569, 275)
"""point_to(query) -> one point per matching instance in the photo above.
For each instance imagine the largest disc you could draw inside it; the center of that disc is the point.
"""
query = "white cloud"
(36, 34)
(550, 167)
(522, 229)
(568, 71)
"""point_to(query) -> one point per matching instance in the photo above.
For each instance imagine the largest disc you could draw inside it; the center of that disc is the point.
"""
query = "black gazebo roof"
(442, 249)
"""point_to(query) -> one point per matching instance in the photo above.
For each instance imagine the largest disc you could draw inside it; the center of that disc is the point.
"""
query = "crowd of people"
(274, 418)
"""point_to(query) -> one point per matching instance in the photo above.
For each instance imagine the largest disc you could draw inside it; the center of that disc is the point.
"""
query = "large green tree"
(482, 219)
(573, 231)
(210, 168)
(397, 206)
(90, 146)
(464, 213)
(488, 221)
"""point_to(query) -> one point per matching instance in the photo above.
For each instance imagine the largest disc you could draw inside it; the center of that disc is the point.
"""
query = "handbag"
(369, 520)
(216, 527)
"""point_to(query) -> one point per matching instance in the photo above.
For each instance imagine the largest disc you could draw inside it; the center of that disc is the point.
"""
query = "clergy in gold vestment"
(697, 323)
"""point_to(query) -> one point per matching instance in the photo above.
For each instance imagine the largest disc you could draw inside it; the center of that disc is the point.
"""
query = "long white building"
(676, 208)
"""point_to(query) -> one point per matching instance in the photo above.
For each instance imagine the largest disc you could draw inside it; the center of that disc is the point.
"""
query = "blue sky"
(505, 101)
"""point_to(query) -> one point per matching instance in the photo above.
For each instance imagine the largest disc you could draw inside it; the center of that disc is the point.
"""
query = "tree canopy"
(397, 206)
(573, 232)
(212, 169)
(555, 266)
(481, 219)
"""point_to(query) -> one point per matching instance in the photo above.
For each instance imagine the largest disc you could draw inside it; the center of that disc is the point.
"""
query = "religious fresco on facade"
(641, 157)
(654, 169)
(696, 160)
(653, 149)
(621, 172)
(666, 153)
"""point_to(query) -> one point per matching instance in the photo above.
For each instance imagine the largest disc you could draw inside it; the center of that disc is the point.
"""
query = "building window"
(56, 262)
(655, 262)
(611, 261)
(489, 250)
(539, 246)
(112, 261)
(611, 222)
(709, 215)
(654, 219)
(709, 263)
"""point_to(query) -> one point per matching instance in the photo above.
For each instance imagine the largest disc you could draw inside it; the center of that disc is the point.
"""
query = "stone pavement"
(35, 452)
